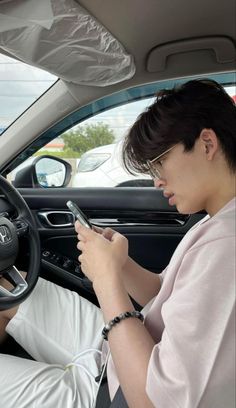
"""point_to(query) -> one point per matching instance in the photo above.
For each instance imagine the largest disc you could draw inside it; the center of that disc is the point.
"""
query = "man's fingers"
(116, 236)
(98, 229)
(80, 245)
(108, 233)
(84, 232)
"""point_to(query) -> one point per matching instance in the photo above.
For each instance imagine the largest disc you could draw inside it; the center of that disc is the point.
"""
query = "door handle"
(57, 219)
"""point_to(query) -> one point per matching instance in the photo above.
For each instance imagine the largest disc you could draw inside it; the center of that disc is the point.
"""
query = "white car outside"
(102, 167)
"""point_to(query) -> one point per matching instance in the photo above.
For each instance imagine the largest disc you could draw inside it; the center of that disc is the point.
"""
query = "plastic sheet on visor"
(63, 38)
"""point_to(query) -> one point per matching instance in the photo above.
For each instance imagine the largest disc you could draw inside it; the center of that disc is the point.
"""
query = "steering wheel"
(10, 232)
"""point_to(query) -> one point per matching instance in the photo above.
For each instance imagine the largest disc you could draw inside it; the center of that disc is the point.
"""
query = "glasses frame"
(154, 172)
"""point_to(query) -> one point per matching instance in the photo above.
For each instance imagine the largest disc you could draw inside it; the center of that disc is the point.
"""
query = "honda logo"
(5, 234)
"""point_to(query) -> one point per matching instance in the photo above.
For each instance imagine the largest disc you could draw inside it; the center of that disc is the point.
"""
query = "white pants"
(62, 331)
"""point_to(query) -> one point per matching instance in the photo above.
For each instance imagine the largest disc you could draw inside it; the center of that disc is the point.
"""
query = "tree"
(87, 137)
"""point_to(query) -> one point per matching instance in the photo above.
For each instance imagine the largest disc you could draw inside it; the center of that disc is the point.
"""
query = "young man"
(183, 354)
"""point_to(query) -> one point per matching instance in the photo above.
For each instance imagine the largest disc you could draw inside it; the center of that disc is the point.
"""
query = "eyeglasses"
(155, 165)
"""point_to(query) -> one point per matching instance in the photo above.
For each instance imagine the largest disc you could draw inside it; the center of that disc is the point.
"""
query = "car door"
(143, 215)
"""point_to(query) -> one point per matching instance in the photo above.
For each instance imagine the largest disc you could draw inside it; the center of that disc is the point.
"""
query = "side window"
(96, 146)
(93, 149)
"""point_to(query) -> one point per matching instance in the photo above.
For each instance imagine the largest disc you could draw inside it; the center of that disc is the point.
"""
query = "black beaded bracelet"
(117, 319)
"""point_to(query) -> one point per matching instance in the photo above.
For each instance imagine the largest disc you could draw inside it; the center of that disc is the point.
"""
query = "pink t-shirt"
(192, 321)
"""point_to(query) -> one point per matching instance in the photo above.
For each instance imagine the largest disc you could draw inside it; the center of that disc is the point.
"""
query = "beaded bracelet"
(117, 319)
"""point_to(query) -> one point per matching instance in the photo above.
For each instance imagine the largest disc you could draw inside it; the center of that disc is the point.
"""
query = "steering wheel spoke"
(22, 227)
(18, 283)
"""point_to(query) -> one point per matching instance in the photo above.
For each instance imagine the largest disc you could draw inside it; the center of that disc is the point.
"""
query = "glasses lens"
(155, 166)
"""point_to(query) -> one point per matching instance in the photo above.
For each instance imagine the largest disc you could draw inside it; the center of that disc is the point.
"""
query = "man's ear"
(209, 142)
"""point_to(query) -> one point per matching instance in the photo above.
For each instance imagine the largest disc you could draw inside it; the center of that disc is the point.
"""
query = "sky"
(121, 118)
(21, 85)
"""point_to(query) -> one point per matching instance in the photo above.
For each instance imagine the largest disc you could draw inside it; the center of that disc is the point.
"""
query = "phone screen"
(80, 216)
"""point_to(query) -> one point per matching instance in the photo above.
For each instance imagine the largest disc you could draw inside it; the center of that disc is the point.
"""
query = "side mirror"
(44, 172)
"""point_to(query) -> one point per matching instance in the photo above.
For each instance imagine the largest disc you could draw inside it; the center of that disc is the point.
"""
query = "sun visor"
(61, 37)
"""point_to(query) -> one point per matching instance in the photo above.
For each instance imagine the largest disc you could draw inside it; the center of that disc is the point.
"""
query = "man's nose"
(158, 183)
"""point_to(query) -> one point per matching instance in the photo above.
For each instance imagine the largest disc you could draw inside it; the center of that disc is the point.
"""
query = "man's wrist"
(112, 280)
(112, 296)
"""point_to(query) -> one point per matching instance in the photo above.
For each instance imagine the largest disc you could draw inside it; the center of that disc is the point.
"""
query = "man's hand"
(104, 252)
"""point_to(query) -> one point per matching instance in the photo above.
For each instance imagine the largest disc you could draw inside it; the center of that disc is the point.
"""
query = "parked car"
(102, 167)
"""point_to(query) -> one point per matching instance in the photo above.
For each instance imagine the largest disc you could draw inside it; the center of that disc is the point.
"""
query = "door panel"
(143, 215)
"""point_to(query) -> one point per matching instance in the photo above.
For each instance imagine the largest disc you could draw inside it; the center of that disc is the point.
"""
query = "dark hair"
(178, 116)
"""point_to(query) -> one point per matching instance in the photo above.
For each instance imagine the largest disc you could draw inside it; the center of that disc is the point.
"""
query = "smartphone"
(79, 215)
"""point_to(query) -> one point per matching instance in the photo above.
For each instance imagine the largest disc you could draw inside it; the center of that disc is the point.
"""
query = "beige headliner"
(141, 25)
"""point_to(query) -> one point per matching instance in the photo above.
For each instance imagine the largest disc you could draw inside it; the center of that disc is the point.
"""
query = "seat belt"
(103, 398)
(119, 400)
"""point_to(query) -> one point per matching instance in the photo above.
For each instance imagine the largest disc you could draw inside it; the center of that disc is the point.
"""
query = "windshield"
(20, 86)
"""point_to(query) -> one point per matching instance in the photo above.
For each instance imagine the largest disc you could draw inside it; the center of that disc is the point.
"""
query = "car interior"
(135, 49)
